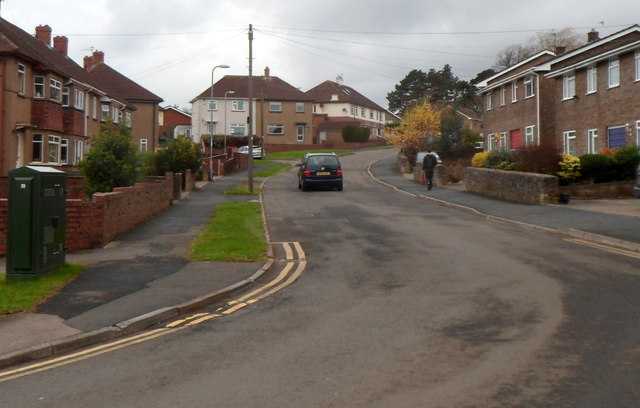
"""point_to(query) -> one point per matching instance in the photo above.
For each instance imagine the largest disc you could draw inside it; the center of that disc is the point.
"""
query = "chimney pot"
(43, 33)
(61, 43)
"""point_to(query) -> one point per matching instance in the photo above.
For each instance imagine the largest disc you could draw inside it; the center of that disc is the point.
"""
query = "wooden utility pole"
(250, 118)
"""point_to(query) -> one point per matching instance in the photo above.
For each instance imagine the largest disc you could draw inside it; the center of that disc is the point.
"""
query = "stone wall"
(528, 188)
(617, 189)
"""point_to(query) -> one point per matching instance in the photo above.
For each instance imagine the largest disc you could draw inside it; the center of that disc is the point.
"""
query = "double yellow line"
(294, 256)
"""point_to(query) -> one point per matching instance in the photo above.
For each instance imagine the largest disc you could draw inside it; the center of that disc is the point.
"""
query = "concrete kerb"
(573, 233)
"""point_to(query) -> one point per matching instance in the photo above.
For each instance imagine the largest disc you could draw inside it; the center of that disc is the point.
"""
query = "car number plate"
(323, 173)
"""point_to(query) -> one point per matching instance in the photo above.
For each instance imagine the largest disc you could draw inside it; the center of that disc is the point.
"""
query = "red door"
(516, 139)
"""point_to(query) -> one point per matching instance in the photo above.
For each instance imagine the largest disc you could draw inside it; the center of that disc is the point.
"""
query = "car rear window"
(318, 161)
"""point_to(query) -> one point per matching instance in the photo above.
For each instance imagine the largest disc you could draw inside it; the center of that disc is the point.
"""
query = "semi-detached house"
(580, 101)
(50, 106)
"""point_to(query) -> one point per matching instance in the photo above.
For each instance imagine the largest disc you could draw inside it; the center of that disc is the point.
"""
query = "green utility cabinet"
(36, 230)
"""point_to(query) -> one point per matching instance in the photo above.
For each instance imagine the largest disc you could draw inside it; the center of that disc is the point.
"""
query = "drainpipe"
(3, 85)
(538, 129)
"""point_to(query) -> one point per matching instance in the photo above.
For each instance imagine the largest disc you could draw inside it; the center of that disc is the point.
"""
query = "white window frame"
(300, 133)
(568, 142)
(104, 112)
(78, 101)
(568, 86)
(238, 105)
(490, 141)
(22, 77)
(614, 73)
(514, 92)
(503, 96)
(37, 145)
(78, 147)
(637, 64)
(530, 137)
(55, 89)
(64, 151)
(300, 107)
(234, 129)
(65, 96)
(95, 107)
(275, 106)
(638, 133)
(362, 113)
(38, 86)
(490, 101)
(212, 105)
(127, 119)
(53, 149)
(503, 140)
(144, 145)
(212, 127)
(275, 129)
(592, 79)
(592, 139)
(529, 90)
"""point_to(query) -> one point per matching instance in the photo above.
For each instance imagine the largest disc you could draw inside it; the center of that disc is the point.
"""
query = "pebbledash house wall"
(92, 224)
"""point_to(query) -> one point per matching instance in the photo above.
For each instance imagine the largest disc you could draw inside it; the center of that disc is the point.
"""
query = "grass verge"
(297, 154)
(234, 234)
(25, 294)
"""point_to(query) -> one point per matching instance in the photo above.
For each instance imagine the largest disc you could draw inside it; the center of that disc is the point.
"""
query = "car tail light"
(307, 172)
(339, 171)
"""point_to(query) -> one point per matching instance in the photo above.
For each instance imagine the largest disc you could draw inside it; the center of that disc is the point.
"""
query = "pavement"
(144, 277)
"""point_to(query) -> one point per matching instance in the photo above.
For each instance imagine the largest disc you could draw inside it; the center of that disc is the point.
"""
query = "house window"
(637, 65)
(64, 151)
(38, 87)
(353, 111)
(568, 86)
(65, 96)
(528, 87)
(362, 113)
(22, 78)
(617, 136)
(514, 91)
(79, 99)
(211, 127)
(36, 148)
(300, 133)
(115, 115)
(55, 88)
(530, 136)
(638, 133)
(238, 129)
(127, 119)
(95, 107)
(299, 107)
(315, 108)
(105, 112)
(592, 141)
(143, 145)
(238, 106)
(592, 79)
(275, 106)
(490, 101)
(54, 149)
(503, 140)
(187, 133)
(275, 129)
(79, 151)
(614, 73)
(569, 138)
(503, 96)
(213, 105)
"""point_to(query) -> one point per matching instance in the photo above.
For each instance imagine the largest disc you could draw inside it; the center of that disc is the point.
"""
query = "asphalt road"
(402, 304)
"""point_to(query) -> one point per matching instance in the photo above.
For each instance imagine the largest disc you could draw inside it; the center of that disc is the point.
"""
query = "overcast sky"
(170, 47)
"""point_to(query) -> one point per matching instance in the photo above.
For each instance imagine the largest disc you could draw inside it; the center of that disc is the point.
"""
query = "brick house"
(49, 105)
(580, 101)
(173, 123)
(336, 105)
(282, 113)
(517, 105)
(597, 93)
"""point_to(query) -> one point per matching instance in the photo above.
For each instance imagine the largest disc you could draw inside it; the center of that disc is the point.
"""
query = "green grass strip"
(273, 170)
(234, 234)
(297, 154)
(25, 294)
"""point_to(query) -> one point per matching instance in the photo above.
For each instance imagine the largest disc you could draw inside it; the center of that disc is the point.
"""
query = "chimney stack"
(98, 57)
(43, 33)
(267, 72)
(88, 62)
(61, 43)
(593, 35)
(560, 50)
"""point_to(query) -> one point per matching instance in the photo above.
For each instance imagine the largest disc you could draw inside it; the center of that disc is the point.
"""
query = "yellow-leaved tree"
(419, 127)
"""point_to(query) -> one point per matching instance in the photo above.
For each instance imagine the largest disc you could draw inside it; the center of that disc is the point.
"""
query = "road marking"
(607, 248)
(230, 307)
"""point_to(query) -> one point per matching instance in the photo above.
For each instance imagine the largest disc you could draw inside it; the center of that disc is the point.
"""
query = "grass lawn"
(25, 294)
(234, 234)
(297, 155)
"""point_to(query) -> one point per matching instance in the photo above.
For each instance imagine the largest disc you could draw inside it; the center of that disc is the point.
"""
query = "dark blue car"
(320, 170)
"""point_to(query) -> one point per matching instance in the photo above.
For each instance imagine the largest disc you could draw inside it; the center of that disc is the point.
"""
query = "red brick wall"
(73, 122)
(47, 116)
(92, 224)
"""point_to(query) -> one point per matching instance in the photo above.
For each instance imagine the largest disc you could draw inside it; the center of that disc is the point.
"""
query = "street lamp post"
(225, 121)
(211, 123)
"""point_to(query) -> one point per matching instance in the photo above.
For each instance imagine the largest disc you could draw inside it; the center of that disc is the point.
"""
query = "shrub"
(180, 154)
(112, 161)
(596, 168)
(569, 168)
(479, 159)
(357, 134)
(501, 159)
(542, 159)
(625, 162)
